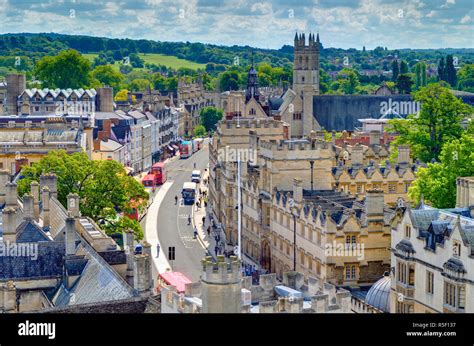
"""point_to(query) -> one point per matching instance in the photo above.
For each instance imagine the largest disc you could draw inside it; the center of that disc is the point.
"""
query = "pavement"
(207, 240)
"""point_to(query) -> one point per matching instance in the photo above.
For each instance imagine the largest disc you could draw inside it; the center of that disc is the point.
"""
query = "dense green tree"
(439, 120)
(349, 81)
(395, 70)
(441, 70)
(68, 69)
(103, 187)
(229, 80)
(210, 116)
(466, 78)
(403, 67)
(437, 182)
(404, 83)
(450, 71)
(139, 84)
(108, 76)
(200, 131)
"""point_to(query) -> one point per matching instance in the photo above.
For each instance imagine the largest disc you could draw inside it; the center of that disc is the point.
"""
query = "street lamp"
(291, 203)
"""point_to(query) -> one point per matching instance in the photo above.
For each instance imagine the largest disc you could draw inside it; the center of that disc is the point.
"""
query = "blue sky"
(264, 24)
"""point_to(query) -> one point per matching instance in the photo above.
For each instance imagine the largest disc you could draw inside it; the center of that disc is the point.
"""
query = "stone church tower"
(306, 77)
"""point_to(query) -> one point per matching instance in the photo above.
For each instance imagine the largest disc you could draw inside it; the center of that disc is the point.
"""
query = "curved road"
(172, 224)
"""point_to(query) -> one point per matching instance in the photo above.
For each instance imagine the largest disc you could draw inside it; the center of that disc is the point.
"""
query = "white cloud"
(465, 19)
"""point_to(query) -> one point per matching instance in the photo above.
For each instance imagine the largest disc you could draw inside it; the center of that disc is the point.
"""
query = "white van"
(196, 176)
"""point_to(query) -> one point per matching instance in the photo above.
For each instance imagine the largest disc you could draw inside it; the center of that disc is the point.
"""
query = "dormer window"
(407, 231)
(456, 248)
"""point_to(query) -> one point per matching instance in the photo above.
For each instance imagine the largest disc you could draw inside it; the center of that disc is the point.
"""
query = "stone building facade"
(432, 257)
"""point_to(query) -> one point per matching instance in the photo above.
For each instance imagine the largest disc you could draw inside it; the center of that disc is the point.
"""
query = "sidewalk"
(207, 241)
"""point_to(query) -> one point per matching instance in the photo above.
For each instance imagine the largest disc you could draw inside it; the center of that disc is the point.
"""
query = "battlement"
(221, 272)
(296, 145)
(252, 123)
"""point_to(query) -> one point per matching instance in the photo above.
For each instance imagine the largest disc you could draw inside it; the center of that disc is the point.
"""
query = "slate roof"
(48, 264)
(98, 282)
(30, 232)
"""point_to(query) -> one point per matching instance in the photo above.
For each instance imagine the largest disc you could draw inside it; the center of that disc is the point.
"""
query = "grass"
(158, 59)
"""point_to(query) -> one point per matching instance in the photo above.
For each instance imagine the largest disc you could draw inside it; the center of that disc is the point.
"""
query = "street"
(170, 226)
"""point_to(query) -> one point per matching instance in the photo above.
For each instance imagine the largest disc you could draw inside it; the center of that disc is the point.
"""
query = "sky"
(264, 24)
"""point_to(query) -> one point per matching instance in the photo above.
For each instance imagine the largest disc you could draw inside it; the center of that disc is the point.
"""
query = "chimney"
(357, 155)
(45, 199)
(4, 179)
(142, 274)
(105, 100)
(11, 198)
(128, 247)
(28, 207)
(8, 298)
(107, 127)
(403, 154)
(9, 225)
(70, 236)
(73, 204)
(374, 201)
(35, 193)
(374, 138)
(298, 190)
(51, 181)
(16, 84)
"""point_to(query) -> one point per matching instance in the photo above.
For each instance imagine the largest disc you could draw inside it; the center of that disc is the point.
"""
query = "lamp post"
(312, 165)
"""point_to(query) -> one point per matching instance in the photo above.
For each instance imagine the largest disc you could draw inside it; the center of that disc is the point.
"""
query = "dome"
(379, 294)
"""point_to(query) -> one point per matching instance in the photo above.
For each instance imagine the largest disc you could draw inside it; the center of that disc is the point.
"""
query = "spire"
(252, 83)
(317, 38)
(296, 36)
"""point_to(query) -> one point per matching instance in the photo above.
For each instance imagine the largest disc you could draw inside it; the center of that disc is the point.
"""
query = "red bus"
(149, 181)
(177, 279)
(158, 170)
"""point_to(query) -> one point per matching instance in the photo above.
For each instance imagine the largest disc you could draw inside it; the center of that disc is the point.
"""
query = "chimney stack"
(51, 181)
(129, 251)
(104, 99)
(9, 225)
(73, 204)
(70, 236)
(374, 201)
(28, 207)
(35, 193)
(357, 155)
(45, 199)
(4, 179)
(11, 198)
(403, 155)
(374, 138)
(297, 190)
(142, 274)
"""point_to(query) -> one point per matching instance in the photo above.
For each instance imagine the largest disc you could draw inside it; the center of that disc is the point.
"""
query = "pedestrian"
(189, 220)
(157, 250)
(194, 164)
(197, 205)
(175, 200)
(203, 220)
(205, 204)
(208, 230)
(215, 249)
(195, 232)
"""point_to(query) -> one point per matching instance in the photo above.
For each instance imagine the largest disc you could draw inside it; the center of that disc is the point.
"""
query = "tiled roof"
(30, 232)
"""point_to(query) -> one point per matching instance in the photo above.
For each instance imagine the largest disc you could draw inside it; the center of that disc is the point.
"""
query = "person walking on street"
(189, 220)
(197, 205)
(195, 232)
(175, 200)
(194, 164)
(208, 230)
(157, 250)
(203, 220)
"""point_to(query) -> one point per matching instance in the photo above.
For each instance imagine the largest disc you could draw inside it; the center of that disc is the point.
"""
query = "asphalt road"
(172, 225)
